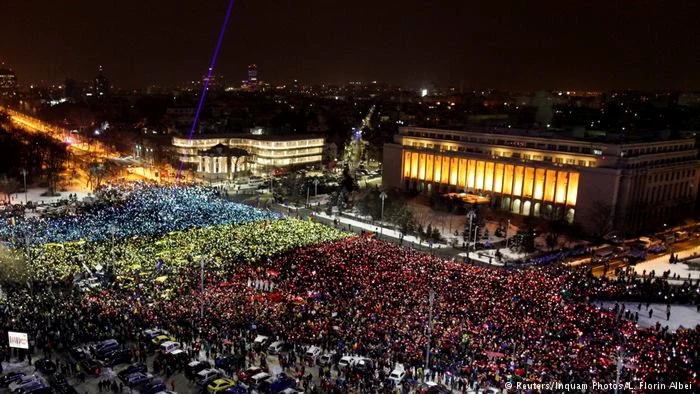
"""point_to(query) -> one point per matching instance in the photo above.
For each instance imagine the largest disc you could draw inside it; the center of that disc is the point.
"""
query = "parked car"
(346, 361)
(154, 387)
(158, 339)
(244, 376)
(11, 377)
(397, 375)
(137, 379)
(259, 342)
(89, 366)
(291, 391)
(45, 366)
(194, 367)
(24, 380)
(151, 333)
(363, 364)
(105, 347)
(138, 367)
(326, 359)
(206, 376)
(219, 385)
(169, 346)
(117, 357)
(275, 347)
(38, 388)
(312, 354)
(256, 380)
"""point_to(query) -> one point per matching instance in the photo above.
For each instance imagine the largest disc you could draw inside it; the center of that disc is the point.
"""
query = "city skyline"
(548, 46)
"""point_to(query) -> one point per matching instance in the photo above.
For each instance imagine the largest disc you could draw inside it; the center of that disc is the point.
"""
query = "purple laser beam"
(206, 86)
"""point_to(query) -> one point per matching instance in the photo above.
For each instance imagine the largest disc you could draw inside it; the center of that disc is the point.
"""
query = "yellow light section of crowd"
(547, 185)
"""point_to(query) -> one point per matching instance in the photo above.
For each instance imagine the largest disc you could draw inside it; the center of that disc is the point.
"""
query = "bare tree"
(8, 186)
(602, 217)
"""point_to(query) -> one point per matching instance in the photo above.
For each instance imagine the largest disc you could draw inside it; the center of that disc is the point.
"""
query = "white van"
(169, 346)
(397, 374)
(259, 342)
(275, 347)
(256, 181)
(259, 378)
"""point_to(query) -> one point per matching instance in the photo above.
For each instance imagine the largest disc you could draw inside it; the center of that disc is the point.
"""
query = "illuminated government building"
(220, 157)
(551, 174)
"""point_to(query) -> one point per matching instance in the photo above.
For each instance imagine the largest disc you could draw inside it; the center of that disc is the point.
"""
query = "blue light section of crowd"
(133, 210)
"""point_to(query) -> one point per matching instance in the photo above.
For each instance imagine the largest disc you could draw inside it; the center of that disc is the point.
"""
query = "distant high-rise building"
(252, 82)
(101, 85)
(8, 82)
(253, 73)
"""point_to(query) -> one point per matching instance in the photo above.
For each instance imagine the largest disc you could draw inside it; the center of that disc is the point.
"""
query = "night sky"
(500, 44)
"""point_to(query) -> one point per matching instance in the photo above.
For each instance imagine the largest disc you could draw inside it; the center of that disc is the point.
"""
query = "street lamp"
(431, 298)
(112, 231)
(507, 229)
(471, 215)
(476, 233)
(316, 182)
(201, 308)
(24, 175)
(271, 183)
(382, 196)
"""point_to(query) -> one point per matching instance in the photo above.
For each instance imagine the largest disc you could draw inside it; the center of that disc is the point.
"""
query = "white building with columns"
(221, 157)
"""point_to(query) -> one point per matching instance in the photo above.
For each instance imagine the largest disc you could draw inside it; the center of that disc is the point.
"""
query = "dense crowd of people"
(133, 209)
(312, 285)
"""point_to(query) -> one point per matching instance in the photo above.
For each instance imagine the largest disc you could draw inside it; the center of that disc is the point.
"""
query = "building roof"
(581, 135)
(223, 150)
(262, 137)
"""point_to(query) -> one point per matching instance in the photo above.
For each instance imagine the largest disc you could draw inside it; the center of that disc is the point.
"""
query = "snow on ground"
(488, 256)
(34, 195)
(374, 228)
(661, 264)
(685, 316)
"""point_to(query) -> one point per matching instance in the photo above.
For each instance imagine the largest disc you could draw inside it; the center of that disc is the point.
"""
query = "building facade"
(629, 187)
(223, 156)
